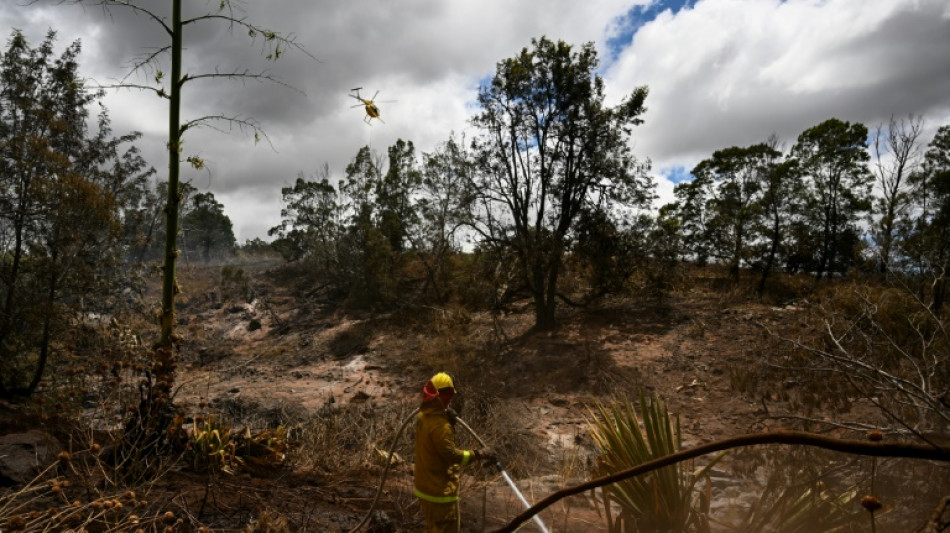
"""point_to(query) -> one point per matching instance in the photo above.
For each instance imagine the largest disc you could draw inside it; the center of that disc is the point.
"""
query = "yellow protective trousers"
(441, 517)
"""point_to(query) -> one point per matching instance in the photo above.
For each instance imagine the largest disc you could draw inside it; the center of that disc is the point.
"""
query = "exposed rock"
(23, 455)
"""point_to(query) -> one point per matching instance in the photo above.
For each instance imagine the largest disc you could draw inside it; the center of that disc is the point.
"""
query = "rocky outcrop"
(24, 455)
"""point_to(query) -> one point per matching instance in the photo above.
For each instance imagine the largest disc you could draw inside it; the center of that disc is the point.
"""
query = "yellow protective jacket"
(438, 460)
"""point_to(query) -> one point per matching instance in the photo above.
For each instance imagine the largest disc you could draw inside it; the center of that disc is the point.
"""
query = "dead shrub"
(343, 439)
(352, 340)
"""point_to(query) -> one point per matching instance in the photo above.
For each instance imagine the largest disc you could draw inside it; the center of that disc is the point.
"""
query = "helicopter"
(372, 110)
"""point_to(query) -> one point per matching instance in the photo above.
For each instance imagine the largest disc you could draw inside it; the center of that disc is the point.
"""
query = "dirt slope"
(285, 351)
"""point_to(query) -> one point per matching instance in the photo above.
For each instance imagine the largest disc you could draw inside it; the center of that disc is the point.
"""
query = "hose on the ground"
(389, 462)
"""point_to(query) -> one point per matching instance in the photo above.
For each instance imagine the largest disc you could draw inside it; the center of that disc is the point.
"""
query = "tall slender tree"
(777, 207)
(692, 216)
(395, 194)
(896, 156)
(210, 230)
(441, 205)
(174, 23)
(311, 221)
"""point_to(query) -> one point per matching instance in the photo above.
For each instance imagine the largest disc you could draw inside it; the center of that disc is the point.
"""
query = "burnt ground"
(306, 357)
(280, 353)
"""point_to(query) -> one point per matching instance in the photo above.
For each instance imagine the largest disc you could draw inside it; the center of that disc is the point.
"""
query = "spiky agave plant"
(664, 500)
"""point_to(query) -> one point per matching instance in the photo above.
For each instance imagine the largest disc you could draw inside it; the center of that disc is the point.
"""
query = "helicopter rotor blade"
(374, 96)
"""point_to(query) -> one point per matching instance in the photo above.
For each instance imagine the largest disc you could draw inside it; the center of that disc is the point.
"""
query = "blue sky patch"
(677, 174)
(629, 23)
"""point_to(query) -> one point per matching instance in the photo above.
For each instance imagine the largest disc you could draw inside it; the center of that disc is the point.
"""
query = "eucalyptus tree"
(442, 200)
(927, 237)
(395, 195)
(738, 177)
(367, 258)
(59, 202)
(310, 221)
(548, 147)
(777, 205)
(897, 153)
(691, 215)
(210, 231)
(832, 161)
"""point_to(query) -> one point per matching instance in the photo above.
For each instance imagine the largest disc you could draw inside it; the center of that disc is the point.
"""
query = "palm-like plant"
(664, 500)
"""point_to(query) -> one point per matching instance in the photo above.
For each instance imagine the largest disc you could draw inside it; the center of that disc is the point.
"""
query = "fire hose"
(389, 460)
(511, 483)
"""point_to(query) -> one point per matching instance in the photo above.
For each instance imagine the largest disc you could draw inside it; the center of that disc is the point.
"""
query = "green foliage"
(550, 148)
(60, 226)
(212, 447)
(831, 160)
(310, 222)
(206, 230)
(394, 195)
(739, 177)
(663, 500)
(216, 448)
(379, 216)
(608, 252)
(925, 238)
(444, 198)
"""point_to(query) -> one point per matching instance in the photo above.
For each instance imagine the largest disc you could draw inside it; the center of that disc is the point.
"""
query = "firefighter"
(438, 460)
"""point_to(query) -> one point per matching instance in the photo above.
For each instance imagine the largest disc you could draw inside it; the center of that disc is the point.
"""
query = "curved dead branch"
(798, 438)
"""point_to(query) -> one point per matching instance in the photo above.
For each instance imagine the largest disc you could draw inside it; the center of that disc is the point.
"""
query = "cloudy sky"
(720, 72)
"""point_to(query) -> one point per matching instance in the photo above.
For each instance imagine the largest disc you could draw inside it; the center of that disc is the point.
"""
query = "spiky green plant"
(214, 449)
(664, 500)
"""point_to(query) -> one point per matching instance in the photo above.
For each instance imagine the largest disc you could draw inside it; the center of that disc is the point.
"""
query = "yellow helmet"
(442, 381)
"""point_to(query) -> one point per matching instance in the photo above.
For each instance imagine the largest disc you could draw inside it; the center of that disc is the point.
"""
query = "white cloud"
(731, 72)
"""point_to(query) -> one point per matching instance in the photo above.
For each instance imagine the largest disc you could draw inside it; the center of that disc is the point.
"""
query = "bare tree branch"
(797, 438)
(272, 37)
(242, 76)
(106, 4)
(937, 522)
(242, 124)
